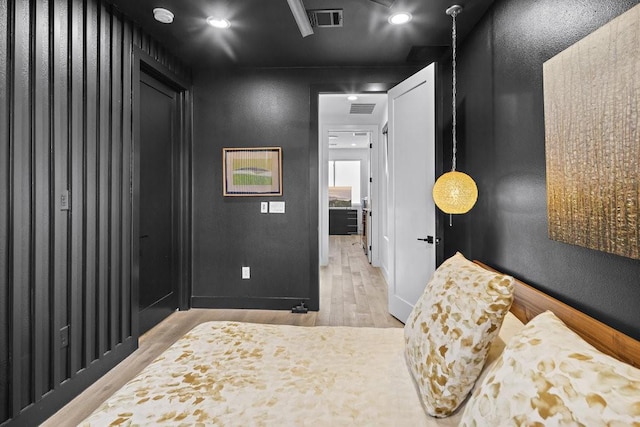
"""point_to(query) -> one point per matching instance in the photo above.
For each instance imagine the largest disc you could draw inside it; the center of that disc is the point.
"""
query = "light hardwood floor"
(352, 293)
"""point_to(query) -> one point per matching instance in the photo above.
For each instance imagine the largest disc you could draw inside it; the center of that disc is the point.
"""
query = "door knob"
(428, 239)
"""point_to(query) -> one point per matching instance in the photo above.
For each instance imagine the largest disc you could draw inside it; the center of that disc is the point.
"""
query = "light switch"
(65, 200)
(264, 207)
(276, 207)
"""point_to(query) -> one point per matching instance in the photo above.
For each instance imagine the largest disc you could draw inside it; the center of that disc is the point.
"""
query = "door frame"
(143, 62)
(315, 158)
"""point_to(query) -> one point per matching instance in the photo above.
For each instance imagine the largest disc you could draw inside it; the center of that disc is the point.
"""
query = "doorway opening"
(402, 155)
(348, 134)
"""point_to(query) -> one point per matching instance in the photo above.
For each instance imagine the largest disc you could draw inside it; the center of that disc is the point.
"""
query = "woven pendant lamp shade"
(455, 193)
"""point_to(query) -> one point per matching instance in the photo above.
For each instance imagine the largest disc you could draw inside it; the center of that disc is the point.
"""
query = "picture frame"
(254, 171)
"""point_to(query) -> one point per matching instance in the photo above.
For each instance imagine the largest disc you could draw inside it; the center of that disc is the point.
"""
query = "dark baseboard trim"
(54, 400)
(257, 303)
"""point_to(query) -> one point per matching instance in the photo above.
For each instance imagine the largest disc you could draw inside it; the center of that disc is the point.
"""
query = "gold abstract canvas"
(592, 109)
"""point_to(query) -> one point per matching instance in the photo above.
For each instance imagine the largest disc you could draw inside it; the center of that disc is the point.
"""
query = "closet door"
(158, 289)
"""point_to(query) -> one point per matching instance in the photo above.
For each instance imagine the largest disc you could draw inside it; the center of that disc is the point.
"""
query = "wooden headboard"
(529, 302)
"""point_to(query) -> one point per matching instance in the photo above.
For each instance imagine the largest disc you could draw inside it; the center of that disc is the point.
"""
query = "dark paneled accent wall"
(502, 141)
(261, 107)
(65, 125)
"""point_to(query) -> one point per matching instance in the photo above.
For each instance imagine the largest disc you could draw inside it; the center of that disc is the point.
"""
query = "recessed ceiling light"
(218, 22)
(354, 144)
(352, 98)
(400, 18)
(163, 15)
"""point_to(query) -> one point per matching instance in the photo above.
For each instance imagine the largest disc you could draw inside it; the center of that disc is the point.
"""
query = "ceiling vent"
(362, 108)
(387, 3)
(325, 18)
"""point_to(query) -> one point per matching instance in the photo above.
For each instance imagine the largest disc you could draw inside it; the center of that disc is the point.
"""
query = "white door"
(412, 211)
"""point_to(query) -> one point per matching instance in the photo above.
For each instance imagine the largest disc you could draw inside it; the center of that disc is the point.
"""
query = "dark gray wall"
(65, 123)
(261, 107)
(502, 141)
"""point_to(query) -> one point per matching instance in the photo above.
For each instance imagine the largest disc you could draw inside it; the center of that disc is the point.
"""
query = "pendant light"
(454, 192)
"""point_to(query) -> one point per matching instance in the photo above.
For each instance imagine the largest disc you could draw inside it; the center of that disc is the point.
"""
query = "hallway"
(352, 292)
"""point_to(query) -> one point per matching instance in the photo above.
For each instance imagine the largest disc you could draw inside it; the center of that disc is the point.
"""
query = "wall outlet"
(264, 207)
(246, 272)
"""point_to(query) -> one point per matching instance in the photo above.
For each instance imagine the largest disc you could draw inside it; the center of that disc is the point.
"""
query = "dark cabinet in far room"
(343, 221)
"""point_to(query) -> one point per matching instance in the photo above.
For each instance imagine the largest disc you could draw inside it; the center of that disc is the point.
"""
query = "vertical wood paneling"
(91, 190)
(184, 229)
(59, 53)
(116, 177)
(20, 138)
(5, 29)
(127, 133)
(66, 123)
(103, 180)
(41, 202)
(76, 149)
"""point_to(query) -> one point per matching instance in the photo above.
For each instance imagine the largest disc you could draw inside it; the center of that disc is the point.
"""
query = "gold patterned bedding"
(547, 375)
(231, 373)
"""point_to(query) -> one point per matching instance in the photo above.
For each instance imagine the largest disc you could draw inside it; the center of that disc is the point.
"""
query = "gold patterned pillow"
(450, 330)
(548, 375)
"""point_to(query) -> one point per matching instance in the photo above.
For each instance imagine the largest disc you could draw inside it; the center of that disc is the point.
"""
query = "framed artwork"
(591, 110)
(340, 197)
(252, 171)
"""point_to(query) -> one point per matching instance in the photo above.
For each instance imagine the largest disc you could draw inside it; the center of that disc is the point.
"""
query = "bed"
(233, 373)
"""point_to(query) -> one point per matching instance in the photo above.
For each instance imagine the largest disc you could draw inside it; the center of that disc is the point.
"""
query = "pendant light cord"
(454, 192)
(453, 13)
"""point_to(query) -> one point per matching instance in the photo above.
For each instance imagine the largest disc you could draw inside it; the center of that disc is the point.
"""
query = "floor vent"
(325, 18)
(362, 108)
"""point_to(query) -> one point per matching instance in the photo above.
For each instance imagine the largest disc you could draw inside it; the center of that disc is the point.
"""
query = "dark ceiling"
(264, 33)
